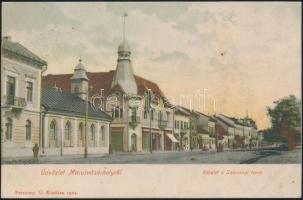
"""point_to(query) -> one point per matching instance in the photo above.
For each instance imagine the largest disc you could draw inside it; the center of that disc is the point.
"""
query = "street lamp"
(149, 110)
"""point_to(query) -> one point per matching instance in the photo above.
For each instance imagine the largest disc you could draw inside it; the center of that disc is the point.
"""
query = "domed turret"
(79, 71)
(124, 75)
(124, 47)
(79, 81)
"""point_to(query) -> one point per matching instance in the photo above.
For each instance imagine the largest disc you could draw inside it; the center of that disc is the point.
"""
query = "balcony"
(162, 123)
(134, 121)
(16, 103)
(184, 131)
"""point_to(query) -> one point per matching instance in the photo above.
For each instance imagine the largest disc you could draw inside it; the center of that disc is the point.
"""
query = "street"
(269, 156)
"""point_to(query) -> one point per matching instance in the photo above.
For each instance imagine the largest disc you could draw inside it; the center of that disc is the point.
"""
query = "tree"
(286, 119)
(271, 137)
(249, 122)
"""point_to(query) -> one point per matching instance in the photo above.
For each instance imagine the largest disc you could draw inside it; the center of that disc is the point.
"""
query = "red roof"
(99, 80)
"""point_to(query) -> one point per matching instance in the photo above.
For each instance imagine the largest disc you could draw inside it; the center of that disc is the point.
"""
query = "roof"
(210, 118)
(20, 50)
(236, 121)
(223, 121)
(124, 47)
(99, 80)
(54, 100)
(181, 111)
(79, 71)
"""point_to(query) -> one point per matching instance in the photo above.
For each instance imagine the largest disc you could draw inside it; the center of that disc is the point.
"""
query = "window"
(181, 124)
(152, 114)
(167, 115)
(80, 131)
(10, 90)
(67, 130)
(92, 132)
(29, 91)
(9, 129)
(134, 112)
(28, 130)
(118, 112)
(121, 113)
(160, 115)
(175, 124)
(145, 114)
(102, 134)
(53, 130)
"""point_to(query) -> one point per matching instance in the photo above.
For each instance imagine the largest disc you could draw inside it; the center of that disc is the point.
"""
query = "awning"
(171, 137)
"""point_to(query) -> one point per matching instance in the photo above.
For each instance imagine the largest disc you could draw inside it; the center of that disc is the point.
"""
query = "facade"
(193, 128)
(21, 73)
(122, 94)
(182, 128)
(64, 123)
(245, 135)
(206, 127)
(227, 129)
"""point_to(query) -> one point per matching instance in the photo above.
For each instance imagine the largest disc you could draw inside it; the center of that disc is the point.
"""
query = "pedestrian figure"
(36, 151)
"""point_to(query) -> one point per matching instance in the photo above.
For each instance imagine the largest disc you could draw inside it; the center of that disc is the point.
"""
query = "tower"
(79, 81)
(124, 75)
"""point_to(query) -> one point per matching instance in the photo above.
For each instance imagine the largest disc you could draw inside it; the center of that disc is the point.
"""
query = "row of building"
(58, 112)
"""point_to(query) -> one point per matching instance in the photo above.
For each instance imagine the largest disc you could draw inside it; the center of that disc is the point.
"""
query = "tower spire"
(125, 15)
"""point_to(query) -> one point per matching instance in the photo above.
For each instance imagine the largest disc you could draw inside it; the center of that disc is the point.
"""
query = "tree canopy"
(286, 116)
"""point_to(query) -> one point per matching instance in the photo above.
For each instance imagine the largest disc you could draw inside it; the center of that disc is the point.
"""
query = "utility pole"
(149, 110)
(150, 119)
(150, 133)
(86, 119)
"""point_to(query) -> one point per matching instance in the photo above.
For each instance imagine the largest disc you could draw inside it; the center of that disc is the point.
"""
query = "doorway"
(134, 142)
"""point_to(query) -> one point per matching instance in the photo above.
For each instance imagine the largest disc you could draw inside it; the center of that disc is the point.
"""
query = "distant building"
(182, 128)
(245, 134)
(206, 128)
(21, 72)
(193, 127)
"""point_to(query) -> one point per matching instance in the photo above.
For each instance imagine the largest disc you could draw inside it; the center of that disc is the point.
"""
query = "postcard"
(151, 99)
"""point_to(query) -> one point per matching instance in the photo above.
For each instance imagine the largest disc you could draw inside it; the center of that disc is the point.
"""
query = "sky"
(241, 55)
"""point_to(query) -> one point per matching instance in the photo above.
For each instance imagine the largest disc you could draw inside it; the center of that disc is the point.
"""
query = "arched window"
(92, 132)
(9, 129)
(53, 134)
(28, 130)
(53, 130)
(67, 130)
(102, 134)
(80, 131)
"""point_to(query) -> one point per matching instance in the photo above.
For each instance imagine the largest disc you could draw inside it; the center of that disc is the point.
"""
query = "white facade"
(20, 104)
(182, 129)
(63, 135)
